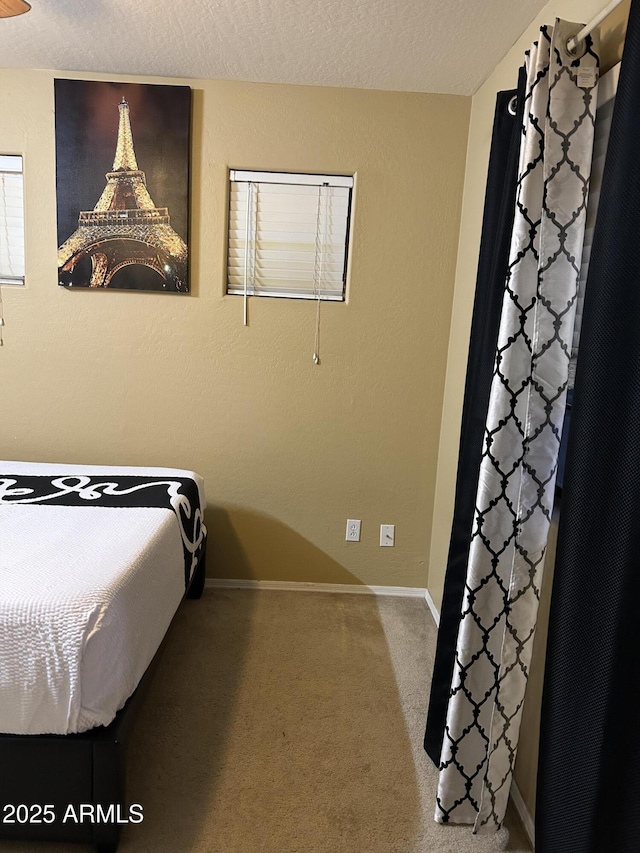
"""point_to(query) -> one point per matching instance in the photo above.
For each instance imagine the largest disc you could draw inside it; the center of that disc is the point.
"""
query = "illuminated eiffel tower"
(125, 228)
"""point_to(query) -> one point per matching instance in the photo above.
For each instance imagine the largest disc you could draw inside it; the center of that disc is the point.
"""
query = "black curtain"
(493, 263)
(589, 767)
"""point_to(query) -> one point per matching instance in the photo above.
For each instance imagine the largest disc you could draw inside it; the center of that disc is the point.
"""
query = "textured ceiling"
(408, 45)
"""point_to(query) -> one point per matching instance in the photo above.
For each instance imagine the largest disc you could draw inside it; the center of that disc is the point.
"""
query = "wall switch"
(353, 530)
(387, 535)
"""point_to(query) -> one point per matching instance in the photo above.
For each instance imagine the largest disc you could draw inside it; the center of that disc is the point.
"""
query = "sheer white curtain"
(522, 435)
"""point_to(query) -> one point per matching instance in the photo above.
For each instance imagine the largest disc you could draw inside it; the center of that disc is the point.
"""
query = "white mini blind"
(288, 234)
(11, 220)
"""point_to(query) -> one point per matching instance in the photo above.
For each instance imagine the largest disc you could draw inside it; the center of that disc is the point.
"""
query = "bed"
(94, 562)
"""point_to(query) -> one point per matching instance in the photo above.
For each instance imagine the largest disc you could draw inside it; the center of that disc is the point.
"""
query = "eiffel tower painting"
(126, 241)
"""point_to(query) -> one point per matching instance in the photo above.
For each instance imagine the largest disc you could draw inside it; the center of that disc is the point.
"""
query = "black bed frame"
(63, 770)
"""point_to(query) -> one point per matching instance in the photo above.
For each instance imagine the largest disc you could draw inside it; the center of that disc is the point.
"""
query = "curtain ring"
(513, 103)
(580, 48)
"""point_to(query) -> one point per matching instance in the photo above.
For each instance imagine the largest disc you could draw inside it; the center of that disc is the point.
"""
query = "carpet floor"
(290, 722)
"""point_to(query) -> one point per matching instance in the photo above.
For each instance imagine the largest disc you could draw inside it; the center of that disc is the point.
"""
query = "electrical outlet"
(387, 535)
(353, 530)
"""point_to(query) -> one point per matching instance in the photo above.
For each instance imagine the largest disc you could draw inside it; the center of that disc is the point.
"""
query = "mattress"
(88, 586)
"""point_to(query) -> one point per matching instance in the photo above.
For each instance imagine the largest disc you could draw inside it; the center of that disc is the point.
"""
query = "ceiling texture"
(447, 46)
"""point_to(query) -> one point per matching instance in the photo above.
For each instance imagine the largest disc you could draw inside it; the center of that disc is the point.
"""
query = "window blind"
(288, 234)
(11, 220)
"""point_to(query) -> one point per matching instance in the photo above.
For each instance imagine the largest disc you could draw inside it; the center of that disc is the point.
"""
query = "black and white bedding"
(93, 565)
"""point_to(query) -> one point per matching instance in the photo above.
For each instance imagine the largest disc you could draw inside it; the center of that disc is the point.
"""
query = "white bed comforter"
(86, 596)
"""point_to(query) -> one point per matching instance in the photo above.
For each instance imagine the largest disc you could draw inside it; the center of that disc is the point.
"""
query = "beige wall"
(503, 77)
(288, 450)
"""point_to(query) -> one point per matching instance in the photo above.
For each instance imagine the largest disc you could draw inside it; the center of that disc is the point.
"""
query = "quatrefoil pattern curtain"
(515, 490)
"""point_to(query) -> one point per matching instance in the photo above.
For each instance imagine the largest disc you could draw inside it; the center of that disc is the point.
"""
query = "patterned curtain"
(493, 261)
(522, 435)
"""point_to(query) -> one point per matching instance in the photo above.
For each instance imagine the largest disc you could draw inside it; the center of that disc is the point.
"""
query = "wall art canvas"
(122, 178)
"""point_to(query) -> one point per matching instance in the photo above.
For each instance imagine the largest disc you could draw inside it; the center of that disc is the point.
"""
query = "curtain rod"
(584, 32)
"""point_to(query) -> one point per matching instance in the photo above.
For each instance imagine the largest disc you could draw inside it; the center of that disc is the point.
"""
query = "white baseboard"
(523, 811)
(297, 586)
(432, 607)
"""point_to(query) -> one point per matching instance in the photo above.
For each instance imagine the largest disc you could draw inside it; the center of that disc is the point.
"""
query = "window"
(288, 235)
(11, 220)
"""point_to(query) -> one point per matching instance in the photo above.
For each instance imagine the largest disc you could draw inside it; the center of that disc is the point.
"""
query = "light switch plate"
(387, 535)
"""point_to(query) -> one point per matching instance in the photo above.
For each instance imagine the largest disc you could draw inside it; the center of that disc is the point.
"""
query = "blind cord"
(316, 348)
(319, 262)
(246, 253)
(3, 207)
